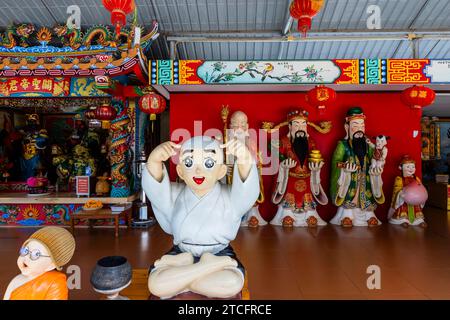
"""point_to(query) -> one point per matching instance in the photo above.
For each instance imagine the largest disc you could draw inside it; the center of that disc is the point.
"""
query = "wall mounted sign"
(82, 185)
(34, 87)
(26, 87)
(337, 71)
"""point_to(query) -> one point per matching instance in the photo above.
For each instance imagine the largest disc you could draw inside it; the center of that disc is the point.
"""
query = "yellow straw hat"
(59, 242)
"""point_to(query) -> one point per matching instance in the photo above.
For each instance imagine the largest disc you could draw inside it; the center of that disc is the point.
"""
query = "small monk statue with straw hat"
(40, 261)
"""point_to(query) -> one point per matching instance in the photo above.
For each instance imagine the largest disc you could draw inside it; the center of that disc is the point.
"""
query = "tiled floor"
(324, 263)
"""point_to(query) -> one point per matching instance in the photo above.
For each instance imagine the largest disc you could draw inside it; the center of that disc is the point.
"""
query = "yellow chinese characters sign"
(34, 87)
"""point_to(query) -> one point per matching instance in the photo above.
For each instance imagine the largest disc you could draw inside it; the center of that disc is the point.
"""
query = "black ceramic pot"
(111, 273)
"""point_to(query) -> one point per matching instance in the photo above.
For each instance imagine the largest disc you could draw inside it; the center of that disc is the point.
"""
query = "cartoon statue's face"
(34, 259)
(356, 125)
(239, 125)
(381, 142)
(408, 169)
(201, 167)
(297, 125)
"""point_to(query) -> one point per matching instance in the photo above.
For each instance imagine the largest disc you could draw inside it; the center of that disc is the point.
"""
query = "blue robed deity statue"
(34, 142)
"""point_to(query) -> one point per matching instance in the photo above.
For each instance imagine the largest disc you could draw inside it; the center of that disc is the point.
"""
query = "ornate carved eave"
(26, 39)
(95, 62)
(52, 105)
(61, 52)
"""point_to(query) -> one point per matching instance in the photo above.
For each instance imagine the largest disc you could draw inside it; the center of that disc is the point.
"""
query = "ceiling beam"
(317, 37)
(256, 33)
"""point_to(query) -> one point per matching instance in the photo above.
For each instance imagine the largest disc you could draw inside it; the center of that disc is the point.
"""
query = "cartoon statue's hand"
(350, 167)
(238, 149)
(288, 163)
(164, 151)
(315, 166)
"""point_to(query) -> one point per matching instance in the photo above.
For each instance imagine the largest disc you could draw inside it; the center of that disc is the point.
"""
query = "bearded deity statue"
(298, 190)
(239, 129)
(356, 185)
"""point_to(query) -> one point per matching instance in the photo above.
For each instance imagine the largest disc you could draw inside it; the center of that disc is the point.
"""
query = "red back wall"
(385, 113)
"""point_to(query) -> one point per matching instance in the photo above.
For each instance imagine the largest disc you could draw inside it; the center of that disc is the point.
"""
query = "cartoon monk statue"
(202, 214)
(409, 196)
(356, 186)
(298, 189)
(238, 128)
(41, 258)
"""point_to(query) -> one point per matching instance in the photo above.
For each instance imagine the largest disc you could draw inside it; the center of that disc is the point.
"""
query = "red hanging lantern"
(89, 114)
(152, 104)
(418, 97)
(105, 113)
(321, 97)
(304, 11)
(119, 10)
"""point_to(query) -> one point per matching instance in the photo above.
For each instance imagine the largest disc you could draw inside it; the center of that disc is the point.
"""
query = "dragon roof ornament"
(59, 51)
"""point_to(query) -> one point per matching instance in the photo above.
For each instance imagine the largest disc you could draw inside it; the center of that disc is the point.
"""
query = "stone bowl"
(111, 275)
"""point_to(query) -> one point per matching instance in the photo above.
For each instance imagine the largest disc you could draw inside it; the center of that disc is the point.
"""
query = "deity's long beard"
(300, 147)
(360, 148)
(240, 135)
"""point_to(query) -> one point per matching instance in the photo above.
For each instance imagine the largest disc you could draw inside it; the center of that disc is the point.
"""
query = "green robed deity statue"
(356, 187)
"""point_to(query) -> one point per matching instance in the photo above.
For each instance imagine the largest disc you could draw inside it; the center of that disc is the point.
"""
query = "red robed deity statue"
(298, 189)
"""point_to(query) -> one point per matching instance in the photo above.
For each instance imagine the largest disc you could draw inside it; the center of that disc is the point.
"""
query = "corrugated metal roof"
(352, 14)
(249, 17)
(395, 14)
(219, 15)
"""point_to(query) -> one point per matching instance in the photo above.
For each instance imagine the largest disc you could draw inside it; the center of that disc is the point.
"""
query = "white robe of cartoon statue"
(202, 214)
